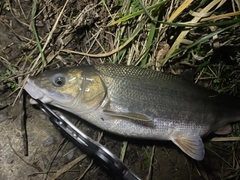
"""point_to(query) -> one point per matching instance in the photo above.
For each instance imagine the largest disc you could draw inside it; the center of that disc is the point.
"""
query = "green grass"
(6, 78)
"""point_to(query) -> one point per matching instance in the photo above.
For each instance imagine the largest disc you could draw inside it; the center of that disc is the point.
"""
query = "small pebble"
(70, 155)
(3, 117)
(45, 160)
(30, 137)
(42, 116)
(18, 134)
(49, 141)
(9, 158)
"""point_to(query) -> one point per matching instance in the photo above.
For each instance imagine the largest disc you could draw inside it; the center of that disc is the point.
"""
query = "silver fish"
(137, 102)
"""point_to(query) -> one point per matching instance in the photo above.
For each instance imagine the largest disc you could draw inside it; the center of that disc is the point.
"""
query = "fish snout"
(35, 92)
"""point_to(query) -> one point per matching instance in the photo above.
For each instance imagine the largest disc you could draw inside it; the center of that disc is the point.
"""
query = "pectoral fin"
(191, 144)
(129, 115)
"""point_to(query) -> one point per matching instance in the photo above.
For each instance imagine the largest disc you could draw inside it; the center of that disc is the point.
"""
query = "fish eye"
(58, 80)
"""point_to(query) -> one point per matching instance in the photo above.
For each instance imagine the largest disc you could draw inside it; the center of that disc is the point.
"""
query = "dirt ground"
(50, 154)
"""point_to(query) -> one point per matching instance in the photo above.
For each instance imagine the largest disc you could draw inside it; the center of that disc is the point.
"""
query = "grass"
(8, 81)
(34, 9)
(152, 19)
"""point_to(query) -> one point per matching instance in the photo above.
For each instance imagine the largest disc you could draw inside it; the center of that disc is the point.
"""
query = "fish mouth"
(36, 93)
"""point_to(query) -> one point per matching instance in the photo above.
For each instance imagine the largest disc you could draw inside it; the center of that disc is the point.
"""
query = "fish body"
(137, 102)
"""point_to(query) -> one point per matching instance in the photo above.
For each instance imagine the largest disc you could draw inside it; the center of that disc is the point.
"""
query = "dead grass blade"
(138, 29)
(68, 167)
(183, 34)
(48, 38)
(223, 139)
(179, 10)
(73, 163)
(221, 16)
(149, 176)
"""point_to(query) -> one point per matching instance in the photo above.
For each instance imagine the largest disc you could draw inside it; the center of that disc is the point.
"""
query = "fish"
(137, 102)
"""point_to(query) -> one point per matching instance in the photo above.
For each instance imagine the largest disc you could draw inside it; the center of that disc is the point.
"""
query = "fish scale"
(140, 103)
(146, 96)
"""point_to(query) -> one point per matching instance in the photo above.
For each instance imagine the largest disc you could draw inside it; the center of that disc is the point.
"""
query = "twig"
(225, 139)
(60, 147)
(23, 126)
(67, 167)
(86, 170)
(149, 176)
(73, 163)
(29, 164)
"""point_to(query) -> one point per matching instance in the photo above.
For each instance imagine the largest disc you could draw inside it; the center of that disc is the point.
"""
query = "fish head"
(78, 89)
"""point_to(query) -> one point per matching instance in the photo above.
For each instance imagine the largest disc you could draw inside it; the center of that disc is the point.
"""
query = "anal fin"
(224, 130)
(191, 144)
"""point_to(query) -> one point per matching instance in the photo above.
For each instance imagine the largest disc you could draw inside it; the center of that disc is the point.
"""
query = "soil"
(49, 152)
